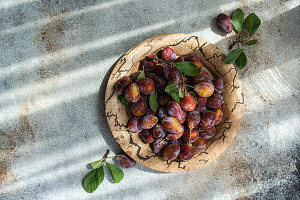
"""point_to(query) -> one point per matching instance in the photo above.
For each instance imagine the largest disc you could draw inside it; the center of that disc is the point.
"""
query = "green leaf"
(123, 99)
(141, 75)
(175, 96)
(233, 55)
(238, 19)
(153, 101)
(96, 164)
(181, 92)
(93, 179)
(187, 68)
(241, 61)
(252, 23)
(171, 88)
(116, 173)
(194, 95)
(250, 42)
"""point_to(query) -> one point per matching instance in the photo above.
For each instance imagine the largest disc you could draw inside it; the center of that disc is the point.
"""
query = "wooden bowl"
(213, 59)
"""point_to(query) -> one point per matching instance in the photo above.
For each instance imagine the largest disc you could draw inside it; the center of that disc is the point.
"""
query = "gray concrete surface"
(55, 58)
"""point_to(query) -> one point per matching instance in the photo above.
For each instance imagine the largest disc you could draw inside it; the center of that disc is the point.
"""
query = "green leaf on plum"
(153, 101)
(181, 92)
(194, 95)
(116, 173)
(123, 99)
(141, 75)
(171, 88)
(187, 68)
(233, 55)
(252, 22)
(238, 19)
(175, 96)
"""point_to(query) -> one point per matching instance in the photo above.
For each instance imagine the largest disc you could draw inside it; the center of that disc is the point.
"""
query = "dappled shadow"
(107, 135)
(72, 131)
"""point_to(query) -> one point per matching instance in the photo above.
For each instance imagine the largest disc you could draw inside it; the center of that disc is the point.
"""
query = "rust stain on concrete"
(11, 141)
(52, 34)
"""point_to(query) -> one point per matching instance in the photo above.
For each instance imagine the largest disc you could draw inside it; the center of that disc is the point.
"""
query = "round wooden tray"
(213, 60)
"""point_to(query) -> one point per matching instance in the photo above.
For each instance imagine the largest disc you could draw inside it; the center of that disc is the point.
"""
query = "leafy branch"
(96, 176)
(251, 23)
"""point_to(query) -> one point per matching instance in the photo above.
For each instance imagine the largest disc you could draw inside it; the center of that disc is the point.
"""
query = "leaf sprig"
(96, 176)
(176, 92)
(251, 23)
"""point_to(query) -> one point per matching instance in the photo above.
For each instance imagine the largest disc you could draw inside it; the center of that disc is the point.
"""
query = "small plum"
(158, 145)
(186, 152)
(122, 84)
(172, 125)
(188, 102)
(168, 54)
(139, 108)
(134, 125)
(146, 85)
(125, 161)
(171, 151)
(207, 120)
(147, 136)
(208, 133)
(159, 131)
(224, 23)
(132, 93)
(204, 89)
(199, 143)
(148, 121)
(219, 115)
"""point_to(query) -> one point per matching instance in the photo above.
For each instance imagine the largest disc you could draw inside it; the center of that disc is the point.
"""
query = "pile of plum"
(173, 111)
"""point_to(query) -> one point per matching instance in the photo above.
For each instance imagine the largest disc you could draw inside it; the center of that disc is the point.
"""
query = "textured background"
(55, 58)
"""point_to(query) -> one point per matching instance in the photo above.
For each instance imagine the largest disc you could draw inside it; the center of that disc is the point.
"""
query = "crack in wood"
(216, 56)
(208, 59)
(109, 115)
(181, 167)
(120, 137)
(228, 71)
(123, 59)
(185, 40)
(139, 149)
(112, 94)
(234, 86)
(126, 70)
(203, 160)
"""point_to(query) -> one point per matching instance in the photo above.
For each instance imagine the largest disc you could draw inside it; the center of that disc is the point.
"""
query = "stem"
(160, 60)
(183, 83)
(190, 86)
(161, 141)
(124, 129)
(105, 155)
(111, 156)
(217, 91)
(234, 43)
(190, 136)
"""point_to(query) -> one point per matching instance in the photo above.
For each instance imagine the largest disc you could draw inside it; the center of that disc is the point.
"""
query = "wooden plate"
(213, 59)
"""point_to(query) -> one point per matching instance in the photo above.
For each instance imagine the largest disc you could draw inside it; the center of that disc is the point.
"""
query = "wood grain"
(213, 59)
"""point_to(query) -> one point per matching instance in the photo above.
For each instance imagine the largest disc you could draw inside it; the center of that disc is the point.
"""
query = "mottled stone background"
(55, 58)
